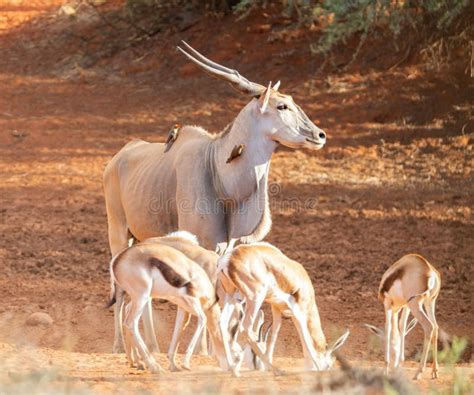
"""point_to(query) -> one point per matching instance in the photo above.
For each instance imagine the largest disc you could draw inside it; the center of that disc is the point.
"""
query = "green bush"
(450, 356)
(342, 19)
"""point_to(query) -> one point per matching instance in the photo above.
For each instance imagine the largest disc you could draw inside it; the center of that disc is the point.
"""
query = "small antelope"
(262, 273)
(409, 284)
(187, 243)
(153, 270)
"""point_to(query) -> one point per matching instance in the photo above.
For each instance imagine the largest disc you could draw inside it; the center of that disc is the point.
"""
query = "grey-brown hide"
(150, 193)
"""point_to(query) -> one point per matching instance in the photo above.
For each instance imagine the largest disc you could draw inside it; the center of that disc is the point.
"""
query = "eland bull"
(214, 186)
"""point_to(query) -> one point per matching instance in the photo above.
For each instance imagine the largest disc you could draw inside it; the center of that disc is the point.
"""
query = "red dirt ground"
(395, 177)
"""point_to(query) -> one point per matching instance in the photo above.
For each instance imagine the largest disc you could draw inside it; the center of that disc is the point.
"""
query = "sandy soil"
(395, 177)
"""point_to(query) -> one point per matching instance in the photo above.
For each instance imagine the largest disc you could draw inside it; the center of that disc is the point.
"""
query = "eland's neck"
(246, 173)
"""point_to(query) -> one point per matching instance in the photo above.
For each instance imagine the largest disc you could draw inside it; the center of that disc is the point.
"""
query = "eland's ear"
(265, 97)
(410, 326)
(276, 86)
(339, 342)
(376, 331)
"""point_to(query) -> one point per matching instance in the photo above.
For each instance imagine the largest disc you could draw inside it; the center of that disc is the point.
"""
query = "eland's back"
(141, 185)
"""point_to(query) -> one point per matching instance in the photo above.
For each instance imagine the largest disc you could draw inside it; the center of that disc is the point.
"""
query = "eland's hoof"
(417, 375)
(434, 374)
(186, 366)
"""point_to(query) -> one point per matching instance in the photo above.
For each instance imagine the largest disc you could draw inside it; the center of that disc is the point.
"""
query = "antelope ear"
(410, 326)
(339, 342)
(260, 322)
(260, 332)
(376, 331)
(234, 332)
(266, 97)
(276, 86)
(267, 332)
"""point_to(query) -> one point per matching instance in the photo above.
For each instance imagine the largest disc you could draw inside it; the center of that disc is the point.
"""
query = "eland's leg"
(118, 240)
(223, 248)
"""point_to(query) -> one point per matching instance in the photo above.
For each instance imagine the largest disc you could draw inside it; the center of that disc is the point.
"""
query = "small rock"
(18, 134)
(39, 319)
(68, 10)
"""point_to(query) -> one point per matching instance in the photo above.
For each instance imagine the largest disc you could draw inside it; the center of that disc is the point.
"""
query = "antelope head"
(275, 115)
(327, 359)
(395, 339)
(381, 333)
(250, 359)
(246, 355)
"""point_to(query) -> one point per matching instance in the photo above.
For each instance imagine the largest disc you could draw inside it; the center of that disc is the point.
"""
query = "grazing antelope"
(153, 270)
(262, 273)
(188, 244)
(410, 284)
(194, 186)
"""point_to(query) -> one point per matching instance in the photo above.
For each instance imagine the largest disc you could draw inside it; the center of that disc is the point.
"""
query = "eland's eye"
(282, 107)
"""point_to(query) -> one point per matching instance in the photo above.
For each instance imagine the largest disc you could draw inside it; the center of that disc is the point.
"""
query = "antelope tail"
(113, 298)
(113, 291)
(417, 295)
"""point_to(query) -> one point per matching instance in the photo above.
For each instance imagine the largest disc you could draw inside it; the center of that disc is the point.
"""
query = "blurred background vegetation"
(432, 26)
